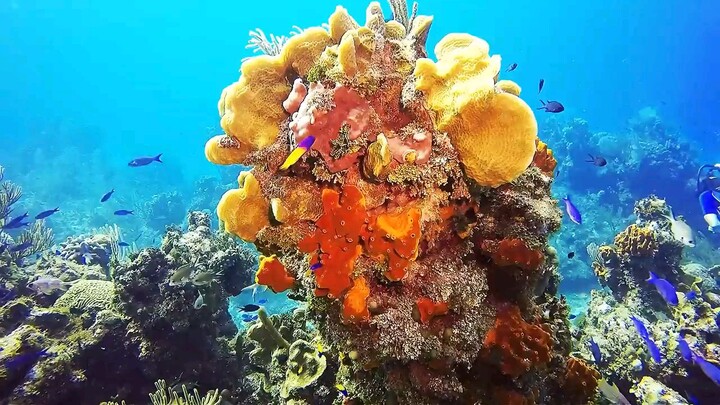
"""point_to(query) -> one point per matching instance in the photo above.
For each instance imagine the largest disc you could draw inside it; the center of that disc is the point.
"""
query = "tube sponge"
(494, 133)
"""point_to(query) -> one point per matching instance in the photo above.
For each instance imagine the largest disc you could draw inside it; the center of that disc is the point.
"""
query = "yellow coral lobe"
(251, 108)
(302, 51)
(508, 86)
(341, 22)
(394, 30)
(493, 133)
(223, 150)
(244, 210)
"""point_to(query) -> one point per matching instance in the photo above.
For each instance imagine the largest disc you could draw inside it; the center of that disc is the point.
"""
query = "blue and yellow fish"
(302, 147)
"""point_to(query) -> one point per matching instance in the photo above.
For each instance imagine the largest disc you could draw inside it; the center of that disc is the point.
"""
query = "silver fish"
(254, 288)
(199, 301)
(612, 393)
(47, 285)
(182, 274)
(203, 277)
(681, 230)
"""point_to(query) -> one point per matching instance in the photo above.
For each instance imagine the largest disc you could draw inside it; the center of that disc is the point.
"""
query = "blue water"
(86, 86)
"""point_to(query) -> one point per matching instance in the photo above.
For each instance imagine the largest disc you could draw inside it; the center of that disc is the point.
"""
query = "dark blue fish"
(144, 161)
(572, 316)
(315, 266)
(595, 349)
(598, 161)
(666, 290)
(692, 398)
(552, 107)
(47, 213)
(654, 351)
(16, 222)
(262, 301)
(540, 86)
(717, 319)
(572, 211)
(20, 247)
(511, 67)
(123, 212)
(57, 252)
(249, 308)
(711, 370)
(640, 327)
(691, 295)
(123, 244)
(3, 246)
(249, 318)
(107, 195)
(25, 359)
(684, 349)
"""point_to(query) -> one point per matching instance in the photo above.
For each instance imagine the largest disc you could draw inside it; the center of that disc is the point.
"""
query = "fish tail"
(652, 277)
(157, 158)
(292, 158)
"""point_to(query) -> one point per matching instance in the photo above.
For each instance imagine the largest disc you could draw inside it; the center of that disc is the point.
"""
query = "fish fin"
(652, 277)
(157, 158)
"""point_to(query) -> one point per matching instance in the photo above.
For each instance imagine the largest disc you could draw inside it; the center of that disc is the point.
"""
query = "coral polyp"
(411, 225)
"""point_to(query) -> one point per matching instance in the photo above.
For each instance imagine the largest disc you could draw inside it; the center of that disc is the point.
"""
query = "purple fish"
(684, 349)
(16, 222)
(640, 327)
(654, 351)
(552, 107)
(144, 161)
(107, 195)
(666, 290)
(20, 247)
(710, 370)
(47, 213)
(572, 212)
(25, 359)
(124, 212)
(691, 295)
(597, 160)
(315, 266)
(595, 350)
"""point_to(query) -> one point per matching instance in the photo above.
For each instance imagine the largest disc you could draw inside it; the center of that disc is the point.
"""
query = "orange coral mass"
(396, 236)
(544, 158)
(355, 304)
(514, 252)
(336, 241)
(272, 273)
(514, 344)
(580, 380)
(428, 309)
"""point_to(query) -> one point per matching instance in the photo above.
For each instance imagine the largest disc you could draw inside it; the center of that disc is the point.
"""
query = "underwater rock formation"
(103, 338)
(407, 201)
(627, 357)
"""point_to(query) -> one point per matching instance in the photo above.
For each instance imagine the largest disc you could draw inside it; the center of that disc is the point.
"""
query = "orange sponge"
(355, 304)
(272, 273)
(428, 309)
(396, 235)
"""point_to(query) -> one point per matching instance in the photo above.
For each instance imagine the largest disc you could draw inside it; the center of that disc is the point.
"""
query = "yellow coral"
(302, 51)
(251, 108)
(508, 86)
(378, 157)
(224, 150)
(636, 241)
(245, 211)
(341, 22)
(494, 133)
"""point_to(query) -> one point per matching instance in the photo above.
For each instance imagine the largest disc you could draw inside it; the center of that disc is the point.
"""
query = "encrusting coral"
(414, 222)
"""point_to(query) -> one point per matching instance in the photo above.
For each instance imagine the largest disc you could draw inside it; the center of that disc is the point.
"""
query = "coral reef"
(414, 223)
(103, 338)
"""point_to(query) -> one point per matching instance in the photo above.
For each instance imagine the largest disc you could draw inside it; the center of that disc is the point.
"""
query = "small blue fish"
(540, 85)
(654, 351)
(572, 211)
(342, 390)
(123, 212)
(717, 319)
(711, 370)
(25, 359)
(691, 295)
(144, 161)
(595, 349)
(16, 222)
(47, 213)
(511, 67)
(315, 266)
(666, 290)
(57, 252)
(552, 107)
(107, 196)
(20, 247)
(123, 244)
(249, 308)
(262, 301)
(640, 327)
(684, 349)
(249, 318)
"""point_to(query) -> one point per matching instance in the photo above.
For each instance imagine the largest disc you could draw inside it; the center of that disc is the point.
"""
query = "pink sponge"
(297, 94)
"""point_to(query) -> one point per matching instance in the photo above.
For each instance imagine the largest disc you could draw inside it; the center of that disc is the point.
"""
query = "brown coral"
(580, 381)
(514, 252)
(515, 345)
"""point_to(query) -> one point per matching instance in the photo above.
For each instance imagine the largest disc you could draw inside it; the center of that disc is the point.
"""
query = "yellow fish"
(302, 147)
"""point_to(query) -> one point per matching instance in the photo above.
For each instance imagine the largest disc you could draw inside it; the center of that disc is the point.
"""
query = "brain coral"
(88, 296)
(380, 224)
